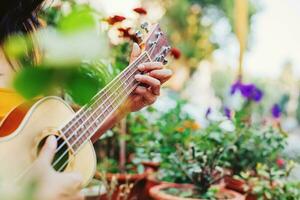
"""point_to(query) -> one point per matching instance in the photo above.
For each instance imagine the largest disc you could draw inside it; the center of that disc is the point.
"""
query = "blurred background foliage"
(190, 25)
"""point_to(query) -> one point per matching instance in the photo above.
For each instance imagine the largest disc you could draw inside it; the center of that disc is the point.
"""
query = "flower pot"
(251, 197)
(126, 178)
(151, 166)
(150, 183)
(235, 184)
(129, 184)
(157, 192)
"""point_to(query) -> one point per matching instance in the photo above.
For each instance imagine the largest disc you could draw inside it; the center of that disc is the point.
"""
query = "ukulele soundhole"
(62, 155)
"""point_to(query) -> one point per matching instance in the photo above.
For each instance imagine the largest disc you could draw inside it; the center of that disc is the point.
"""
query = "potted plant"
(256, 142)
(196, 169)
(272, 183)
(253, 145)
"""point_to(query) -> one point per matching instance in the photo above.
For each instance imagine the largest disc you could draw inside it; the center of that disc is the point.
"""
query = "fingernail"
(136, 47)
(138, 77)
(170, 72)
(141, 67)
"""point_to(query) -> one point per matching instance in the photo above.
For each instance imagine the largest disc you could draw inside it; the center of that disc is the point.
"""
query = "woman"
(20, 16)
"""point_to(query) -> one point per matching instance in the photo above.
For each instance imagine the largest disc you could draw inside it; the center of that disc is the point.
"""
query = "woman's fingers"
(150, 98)
(147, 96)
(153, 83)
(48, 151)
(140, 90)
(162, 75)
(149, 66)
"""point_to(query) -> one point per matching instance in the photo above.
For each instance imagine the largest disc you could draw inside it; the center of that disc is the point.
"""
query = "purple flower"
(227, 112)
(208, 111)
(248, 91)
(235, 87)
(257, 95)
(276, 111)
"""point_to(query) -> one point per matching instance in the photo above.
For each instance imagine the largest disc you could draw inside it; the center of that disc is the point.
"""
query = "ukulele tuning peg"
(139, 35)
(145, 26)
(158, 34)
(165, 61)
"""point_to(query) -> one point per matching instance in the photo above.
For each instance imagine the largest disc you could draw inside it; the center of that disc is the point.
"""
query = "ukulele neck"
(90, 118)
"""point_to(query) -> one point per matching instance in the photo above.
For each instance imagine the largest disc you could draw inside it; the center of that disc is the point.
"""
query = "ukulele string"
(82, 111)
(86, 129)
(91, 117)
(32, 165)
(96, 101)
(124, 98)
(107, 89)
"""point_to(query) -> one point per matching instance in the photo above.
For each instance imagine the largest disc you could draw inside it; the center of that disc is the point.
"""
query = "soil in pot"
(172, 191)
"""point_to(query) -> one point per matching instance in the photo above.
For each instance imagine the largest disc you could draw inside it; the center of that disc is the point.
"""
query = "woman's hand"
(152, 79)
(54, 185)
(146, 94)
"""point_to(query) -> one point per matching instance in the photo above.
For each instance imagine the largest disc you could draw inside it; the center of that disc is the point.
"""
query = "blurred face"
(6, 72)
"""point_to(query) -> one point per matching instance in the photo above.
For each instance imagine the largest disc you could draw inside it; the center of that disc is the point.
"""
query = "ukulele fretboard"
(88, 120)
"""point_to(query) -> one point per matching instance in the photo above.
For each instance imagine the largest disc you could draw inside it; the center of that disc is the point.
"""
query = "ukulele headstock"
(156, 43)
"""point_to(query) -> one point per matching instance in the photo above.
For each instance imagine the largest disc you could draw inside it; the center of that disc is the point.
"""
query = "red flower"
(175, 53)
(140, 10)
(125, 33)
(280, 162)
(115, 19)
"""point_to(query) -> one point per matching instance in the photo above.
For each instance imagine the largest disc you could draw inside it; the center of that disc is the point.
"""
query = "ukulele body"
(24, 130)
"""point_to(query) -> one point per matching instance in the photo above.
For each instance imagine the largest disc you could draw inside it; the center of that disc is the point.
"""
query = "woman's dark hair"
(17, 16)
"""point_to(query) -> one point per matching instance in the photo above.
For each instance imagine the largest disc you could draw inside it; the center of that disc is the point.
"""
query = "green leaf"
(81, 87)
(80, 19)
(32, 81)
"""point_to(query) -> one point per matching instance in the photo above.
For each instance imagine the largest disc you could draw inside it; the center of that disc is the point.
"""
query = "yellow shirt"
(8, 100)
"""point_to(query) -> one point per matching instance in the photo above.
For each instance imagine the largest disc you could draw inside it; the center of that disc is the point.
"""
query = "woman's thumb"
(48, 151)
(136, 51)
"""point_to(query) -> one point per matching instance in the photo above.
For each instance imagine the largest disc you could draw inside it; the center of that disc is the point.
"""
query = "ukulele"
(26, 128)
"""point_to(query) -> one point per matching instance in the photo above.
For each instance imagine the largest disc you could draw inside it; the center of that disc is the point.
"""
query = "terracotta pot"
(235, 184)
(151, 166)
(150, 183)
(157, 192)
(137, 183)
(126, 178)
(251, 197)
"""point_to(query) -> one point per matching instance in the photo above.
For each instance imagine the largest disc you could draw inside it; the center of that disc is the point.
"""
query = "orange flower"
(140, 10)
(115, 19)
(191, 124)
(175, 53)
(195, 126)
(180, 129)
